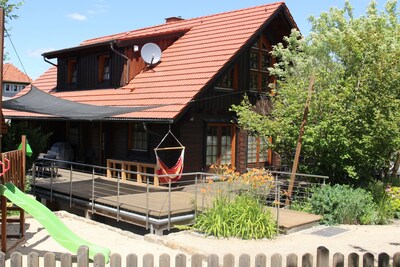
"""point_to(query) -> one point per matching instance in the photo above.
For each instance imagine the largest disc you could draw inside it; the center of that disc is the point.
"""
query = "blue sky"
(47, 25)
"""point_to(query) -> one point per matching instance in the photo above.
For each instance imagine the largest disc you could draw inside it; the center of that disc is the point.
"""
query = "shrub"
(341, 204)
(393, 193)
(243, 217)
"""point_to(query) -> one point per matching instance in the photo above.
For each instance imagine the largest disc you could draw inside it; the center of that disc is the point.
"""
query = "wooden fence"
(292, 260)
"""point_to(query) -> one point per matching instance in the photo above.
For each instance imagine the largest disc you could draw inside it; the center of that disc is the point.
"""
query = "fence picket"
(49, 260)
(2, 259)
(33, 260)
(16, 259)
(291, 260)
(260, 260)
(196, 260)
(82, 257)
(276, 260)
(228, 260)
(180, 260)
(322, 257)
(148, 260)
(131, 260)
(244, 260)
(99, 260)
(66, 260)
(396, 260)
(212, 261)
(307, 260)
(368, 260)
(338, 260)
(383, 260)
(164, 260)
(353, 260)
(116, 260)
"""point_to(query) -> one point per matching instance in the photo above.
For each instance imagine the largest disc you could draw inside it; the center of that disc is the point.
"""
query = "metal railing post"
(118, 192)
(93, 190)
(195, 195)
(169, 204)
(70, 187)
(278, 207)
(51, 182)
(147, 202)
(34, 177)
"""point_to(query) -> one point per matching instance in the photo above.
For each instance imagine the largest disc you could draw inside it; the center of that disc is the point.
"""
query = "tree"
(353, 127)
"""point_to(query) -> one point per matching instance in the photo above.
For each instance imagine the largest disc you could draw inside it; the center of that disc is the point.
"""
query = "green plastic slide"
(56, 228)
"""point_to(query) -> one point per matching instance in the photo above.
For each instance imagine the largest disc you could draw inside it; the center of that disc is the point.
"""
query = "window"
(138, 137)
(229, 80)
(13, 87)
(220, 144)
(256, 151)
(72, 66)
(104, 68)
(259, 62)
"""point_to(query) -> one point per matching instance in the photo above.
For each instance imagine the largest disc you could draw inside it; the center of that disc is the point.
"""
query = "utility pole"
(1, 73)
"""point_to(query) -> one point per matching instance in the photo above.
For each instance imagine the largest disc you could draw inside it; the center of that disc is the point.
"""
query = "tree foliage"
(353, 126)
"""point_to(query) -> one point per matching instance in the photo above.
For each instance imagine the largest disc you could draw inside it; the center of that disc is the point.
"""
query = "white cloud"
(77, 16)
(38, 52)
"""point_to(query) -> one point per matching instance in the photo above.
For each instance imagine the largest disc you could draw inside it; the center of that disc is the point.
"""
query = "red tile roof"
(13, 74)
(186, 66)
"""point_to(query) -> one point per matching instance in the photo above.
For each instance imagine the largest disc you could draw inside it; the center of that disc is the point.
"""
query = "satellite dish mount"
(151, 53)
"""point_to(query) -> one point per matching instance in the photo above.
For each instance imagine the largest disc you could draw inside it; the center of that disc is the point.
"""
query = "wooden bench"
(113, 164)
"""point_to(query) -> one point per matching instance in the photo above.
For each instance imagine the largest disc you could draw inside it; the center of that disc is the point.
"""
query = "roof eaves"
(54, 54)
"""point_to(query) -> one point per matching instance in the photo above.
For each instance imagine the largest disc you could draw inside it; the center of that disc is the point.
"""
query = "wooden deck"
(137, 201)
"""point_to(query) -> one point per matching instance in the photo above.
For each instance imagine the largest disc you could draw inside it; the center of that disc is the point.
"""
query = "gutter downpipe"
(128, 61)
(47, 61)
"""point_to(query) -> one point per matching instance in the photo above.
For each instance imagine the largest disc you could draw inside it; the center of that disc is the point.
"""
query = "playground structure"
(12, 171)
(12, 187)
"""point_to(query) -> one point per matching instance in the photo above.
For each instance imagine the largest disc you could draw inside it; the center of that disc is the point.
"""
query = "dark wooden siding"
(87, 77)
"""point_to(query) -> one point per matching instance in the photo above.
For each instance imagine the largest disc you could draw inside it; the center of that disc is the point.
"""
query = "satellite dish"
(151, 53)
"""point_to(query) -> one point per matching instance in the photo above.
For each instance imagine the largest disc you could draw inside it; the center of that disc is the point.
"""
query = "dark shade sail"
(37, 101)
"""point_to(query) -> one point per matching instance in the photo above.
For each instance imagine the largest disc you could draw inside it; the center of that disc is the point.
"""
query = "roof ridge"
(184, 21)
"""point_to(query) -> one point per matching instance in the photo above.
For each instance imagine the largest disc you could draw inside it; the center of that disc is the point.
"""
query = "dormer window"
(259, 62)
(72, 71)
(104, 68)
(229, 80)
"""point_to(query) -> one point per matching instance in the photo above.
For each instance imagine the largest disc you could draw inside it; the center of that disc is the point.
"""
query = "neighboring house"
(207, 64)
(14, 80)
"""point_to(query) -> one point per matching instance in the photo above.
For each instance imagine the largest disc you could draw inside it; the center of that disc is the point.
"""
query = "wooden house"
(207, 64)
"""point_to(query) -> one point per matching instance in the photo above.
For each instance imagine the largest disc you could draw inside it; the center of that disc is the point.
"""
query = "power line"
(15, 50)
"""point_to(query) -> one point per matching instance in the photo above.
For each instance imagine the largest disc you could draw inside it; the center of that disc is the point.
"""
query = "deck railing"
(322, 259)
(195, 186)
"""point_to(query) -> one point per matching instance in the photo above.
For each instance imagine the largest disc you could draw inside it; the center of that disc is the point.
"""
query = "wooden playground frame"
(13, 165)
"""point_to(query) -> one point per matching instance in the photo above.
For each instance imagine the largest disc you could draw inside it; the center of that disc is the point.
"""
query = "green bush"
(243, 217)
(393, 193)
(341, 204)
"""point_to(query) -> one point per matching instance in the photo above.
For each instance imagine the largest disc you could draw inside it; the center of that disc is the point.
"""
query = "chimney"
(173, 19)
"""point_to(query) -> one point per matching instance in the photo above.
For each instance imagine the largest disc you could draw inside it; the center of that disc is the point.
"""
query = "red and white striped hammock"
(166, 173)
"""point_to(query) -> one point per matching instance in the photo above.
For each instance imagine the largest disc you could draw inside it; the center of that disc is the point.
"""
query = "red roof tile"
(13, 74)
(186, 66)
